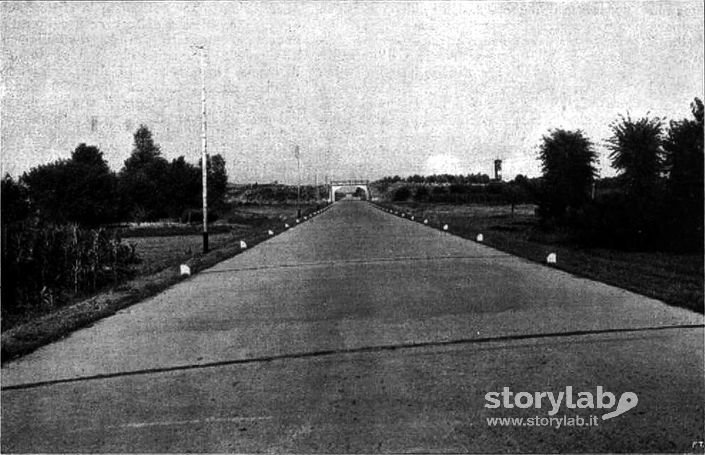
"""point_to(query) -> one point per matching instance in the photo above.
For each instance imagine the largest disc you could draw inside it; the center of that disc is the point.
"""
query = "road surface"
(359, 331)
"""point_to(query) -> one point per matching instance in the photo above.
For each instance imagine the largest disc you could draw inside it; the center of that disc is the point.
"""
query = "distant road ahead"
(362, 332)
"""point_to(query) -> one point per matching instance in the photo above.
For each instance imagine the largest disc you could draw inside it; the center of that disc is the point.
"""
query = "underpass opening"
(349, 189)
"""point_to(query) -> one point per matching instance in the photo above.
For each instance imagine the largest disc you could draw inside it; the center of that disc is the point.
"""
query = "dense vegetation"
(43, 266)
(656, 202)
(457, 189)
(56, 244)
(83, 189)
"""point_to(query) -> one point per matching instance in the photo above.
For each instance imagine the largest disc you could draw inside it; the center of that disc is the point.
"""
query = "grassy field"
(177, 244)
(157, 253)
(676, 279)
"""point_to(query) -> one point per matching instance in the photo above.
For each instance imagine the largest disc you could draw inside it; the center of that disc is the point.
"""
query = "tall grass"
(46, 266)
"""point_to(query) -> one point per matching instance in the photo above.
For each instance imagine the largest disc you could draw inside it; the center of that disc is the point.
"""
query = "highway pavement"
(358, 331)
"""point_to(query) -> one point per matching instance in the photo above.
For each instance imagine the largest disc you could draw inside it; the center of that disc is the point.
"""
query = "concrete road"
(358, 331)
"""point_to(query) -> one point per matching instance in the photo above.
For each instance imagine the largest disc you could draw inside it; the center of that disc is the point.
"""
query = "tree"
(145, 151)
(636, 152)
(15, 200)
(683, 148)
(422, 194)
(80, 190)
(144, 179)
(217, 180)
(568, 164)
(184, 185)
(402, 194)
(360, 193)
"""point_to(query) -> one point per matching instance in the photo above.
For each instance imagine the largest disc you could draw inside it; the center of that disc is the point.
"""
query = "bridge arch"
(335, 185)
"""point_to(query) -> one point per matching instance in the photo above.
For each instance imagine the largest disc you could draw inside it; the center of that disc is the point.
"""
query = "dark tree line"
(655, 202)
(438, 179)
(84, 190)
(53, 246)
(458, 189)
(519, 191)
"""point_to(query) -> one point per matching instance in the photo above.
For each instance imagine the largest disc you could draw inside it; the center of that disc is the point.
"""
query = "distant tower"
(498, 169)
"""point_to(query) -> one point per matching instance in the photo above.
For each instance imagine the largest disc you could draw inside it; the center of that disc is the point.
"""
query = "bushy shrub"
(421, 194)
(621, 222)
(402, 194)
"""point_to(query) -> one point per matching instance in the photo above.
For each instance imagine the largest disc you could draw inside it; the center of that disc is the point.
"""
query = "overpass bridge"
(335, 185)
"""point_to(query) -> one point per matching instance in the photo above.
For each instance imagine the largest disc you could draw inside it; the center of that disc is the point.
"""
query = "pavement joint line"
(331, 352)
(139, 425)
(359, 261)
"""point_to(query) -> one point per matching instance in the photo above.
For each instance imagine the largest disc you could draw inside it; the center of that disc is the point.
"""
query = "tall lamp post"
(298, 188)
(297, 154)
(204, 150)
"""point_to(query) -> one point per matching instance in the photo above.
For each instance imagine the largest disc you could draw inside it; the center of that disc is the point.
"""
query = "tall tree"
(684, 162)
(15, 200)
(217, 180)
(184, 187)
(81, 189)
(144, 179)
(144, 152)
(636, 152)
(684, 154)
(568, 161)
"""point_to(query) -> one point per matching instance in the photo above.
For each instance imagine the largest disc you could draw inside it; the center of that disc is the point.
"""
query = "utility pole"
(298, 188)
(204, 148)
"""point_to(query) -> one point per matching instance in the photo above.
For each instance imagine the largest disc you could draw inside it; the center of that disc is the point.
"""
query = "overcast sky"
(366, 88)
